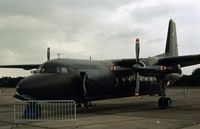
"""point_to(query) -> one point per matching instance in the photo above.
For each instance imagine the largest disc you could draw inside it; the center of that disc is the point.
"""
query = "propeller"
(137, 75)
(48, 53)
(137, 69)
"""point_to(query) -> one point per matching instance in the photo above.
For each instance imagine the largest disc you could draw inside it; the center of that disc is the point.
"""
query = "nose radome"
(31, 83)
(23, 87)
(19, 88)
(45, 86)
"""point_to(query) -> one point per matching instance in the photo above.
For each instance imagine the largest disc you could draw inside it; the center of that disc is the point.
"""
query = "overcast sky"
(103, 29)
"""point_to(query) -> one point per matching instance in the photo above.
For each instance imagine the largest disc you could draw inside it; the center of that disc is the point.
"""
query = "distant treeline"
(189, 80)
(9, 81)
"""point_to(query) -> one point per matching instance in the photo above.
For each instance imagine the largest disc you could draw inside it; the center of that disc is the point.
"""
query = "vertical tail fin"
(171, 48)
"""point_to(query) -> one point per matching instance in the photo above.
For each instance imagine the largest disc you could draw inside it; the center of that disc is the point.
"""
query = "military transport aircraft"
(88, 80)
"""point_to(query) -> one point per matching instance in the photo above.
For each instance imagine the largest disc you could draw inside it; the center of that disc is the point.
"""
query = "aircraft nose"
(46, 86)
(19, 88)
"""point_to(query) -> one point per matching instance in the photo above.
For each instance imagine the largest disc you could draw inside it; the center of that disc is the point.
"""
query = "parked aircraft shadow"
(115, 108)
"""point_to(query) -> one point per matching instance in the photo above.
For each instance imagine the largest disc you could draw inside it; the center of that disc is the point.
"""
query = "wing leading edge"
(183, 61)
(22, 66)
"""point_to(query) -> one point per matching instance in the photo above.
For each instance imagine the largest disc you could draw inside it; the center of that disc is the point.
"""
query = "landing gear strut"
(85, 103)
(164, 102)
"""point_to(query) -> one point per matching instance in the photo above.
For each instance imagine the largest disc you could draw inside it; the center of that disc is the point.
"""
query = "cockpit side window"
(54, 69)
(48, 69)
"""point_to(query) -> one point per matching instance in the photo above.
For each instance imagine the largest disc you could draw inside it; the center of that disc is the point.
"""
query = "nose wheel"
(164, 102)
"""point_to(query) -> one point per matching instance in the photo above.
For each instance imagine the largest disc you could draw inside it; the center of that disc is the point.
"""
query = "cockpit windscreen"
(52, 68)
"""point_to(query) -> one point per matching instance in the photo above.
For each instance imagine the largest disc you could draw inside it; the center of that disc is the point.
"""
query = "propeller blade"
(137, 50)
(137, 87)
(48, 53)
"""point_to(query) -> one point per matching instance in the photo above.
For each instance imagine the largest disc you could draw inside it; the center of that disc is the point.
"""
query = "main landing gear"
(164, 102)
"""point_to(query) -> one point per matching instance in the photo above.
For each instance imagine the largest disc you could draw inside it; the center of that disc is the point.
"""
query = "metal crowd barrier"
(44, 110)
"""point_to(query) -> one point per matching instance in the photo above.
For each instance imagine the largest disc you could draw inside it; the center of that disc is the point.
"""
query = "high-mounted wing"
(22, 66)
(27, 66)
(183, 61)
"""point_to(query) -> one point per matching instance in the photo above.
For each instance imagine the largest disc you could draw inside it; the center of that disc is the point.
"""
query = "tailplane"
(171, 48)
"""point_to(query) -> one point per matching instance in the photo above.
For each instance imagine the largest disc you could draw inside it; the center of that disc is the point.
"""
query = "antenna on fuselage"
(48, 53)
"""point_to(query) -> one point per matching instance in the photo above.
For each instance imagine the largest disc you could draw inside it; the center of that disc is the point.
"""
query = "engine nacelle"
(172, 78)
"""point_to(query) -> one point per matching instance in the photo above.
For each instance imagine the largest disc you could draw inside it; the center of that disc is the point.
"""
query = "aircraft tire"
(168, 102)
(164, 103)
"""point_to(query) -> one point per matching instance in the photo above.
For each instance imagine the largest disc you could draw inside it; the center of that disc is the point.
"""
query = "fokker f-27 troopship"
(88, 80)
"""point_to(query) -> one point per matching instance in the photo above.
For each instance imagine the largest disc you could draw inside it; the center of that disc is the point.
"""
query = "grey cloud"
(148, 14)
(27, 27)
(47, 7)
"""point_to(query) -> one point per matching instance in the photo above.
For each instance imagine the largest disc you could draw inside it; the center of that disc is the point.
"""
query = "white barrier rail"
(44, 110)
